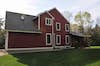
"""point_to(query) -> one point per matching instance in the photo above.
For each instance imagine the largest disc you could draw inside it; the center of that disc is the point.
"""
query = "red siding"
(25, 40)
(28, 40)
(45, 28)
(59, 18)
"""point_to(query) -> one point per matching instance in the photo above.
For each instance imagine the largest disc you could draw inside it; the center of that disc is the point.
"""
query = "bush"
(77, 44)
(2, 42)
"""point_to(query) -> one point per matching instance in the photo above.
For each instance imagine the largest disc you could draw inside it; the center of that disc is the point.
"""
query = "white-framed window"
(58, 39)
(67, 27)
(48, 38)
(66, 39)
(58, 26)
(48, 21)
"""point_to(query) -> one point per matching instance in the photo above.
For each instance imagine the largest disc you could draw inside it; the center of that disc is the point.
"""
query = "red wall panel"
(25, 40)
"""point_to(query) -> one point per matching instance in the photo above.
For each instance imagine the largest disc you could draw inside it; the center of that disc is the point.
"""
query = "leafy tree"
(74, 28)
(83, 19)
(2, 33)
(98, 20)
(96, 35)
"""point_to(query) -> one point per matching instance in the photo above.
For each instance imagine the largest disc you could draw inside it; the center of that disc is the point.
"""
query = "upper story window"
(67, 27)
(48, 21)
(22, 17)
(58, 26)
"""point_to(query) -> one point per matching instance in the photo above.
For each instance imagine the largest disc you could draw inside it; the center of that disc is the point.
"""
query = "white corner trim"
(6, 40)
(67, 38)
(50, 15)
(50, 39)
(57, 39)
(63, 16)
(59, 26)
(38, 22)
(30, 48)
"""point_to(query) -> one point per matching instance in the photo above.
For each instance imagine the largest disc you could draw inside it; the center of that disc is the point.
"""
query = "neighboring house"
(47, 30)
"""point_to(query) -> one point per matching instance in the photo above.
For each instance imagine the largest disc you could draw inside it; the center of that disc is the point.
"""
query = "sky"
(33, 7)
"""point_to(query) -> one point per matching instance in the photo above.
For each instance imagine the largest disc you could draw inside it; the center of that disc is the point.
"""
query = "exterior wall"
(59, 18)
(25, 40)
(45, 28)
(77, 40)
(30, 40)
(35, 23)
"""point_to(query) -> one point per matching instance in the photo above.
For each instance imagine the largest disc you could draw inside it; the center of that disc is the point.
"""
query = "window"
(58, 26)
(48, 38)
(67, 39)
(66, 27)
(48, 21)
(22, 17)
(58, 39)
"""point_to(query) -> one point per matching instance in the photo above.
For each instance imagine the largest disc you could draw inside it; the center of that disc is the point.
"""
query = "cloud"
(37, 6)
(22, 6)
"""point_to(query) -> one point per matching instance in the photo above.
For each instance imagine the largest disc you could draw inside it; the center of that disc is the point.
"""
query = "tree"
(74, 28)
(2, 33)
(83, 19)
(98, 20)
(96, 35)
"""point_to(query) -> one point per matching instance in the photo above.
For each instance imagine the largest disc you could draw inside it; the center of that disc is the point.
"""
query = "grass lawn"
(95, 47)
(70, 57)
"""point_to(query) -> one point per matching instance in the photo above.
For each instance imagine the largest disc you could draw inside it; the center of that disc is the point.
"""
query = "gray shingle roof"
(15, 21)
(77, 34)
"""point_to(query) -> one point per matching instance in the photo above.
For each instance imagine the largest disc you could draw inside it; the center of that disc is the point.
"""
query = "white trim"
(50, 39)
(24, 31)
(59, 26)
(30, 48)
(60, 47)
(61, 14)
(67, 25)
(50, 15)
(50, 21)
(67, 36)
(6, 40)
(53, 34)
(39, 22)
(57, 39)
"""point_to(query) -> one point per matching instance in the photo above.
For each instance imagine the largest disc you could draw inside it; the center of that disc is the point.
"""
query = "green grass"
(95, 47)
(72, 57)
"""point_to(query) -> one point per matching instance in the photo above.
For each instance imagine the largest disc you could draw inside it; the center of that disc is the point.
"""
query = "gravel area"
(3, 52)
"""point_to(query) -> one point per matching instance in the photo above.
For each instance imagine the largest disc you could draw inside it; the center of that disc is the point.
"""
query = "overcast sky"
(34, 7)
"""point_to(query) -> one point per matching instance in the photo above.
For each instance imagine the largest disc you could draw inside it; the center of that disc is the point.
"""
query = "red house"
(48, 30)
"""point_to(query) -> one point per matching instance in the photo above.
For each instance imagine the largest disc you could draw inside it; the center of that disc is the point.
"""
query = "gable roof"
(21, 22)
(14, 21)
(55, 11)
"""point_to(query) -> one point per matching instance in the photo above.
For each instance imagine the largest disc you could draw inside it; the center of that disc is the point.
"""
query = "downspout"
(53, 34)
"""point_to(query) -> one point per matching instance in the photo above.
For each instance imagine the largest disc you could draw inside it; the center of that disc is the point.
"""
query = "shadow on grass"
(72, 57)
